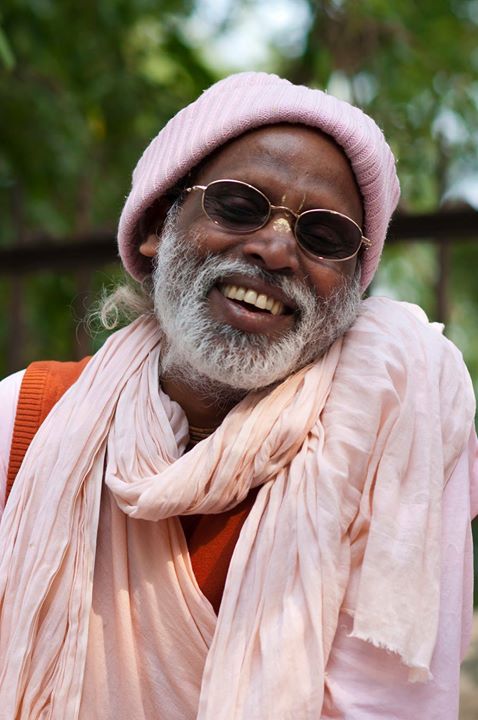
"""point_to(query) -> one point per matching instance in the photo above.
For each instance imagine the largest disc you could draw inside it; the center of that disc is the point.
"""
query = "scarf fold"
(351, 451)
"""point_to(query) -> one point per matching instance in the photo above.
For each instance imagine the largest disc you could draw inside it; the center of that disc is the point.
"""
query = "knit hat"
(248, 100)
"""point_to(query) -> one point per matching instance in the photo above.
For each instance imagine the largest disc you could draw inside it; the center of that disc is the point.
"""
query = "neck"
(205, 404)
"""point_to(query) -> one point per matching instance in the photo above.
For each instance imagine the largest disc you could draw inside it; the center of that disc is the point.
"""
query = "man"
(254, 502)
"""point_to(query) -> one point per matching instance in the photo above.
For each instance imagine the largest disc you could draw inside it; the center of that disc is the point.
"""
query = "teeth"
(250, 297)
(263, 302)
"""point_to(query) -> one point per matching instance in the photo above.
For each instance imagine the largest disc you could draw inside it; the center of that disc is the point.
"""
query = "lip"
(238, 316)
(261, 288)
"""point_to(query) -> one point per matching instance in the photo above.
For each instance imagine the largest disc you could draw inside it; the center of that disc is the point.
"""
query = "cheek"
(189, 214)
(207, 237)
(327, 277)
(209, 240)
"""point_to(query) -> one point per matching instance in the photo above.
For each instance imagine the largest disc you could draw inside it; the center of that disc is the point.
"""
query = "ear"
(149, 247)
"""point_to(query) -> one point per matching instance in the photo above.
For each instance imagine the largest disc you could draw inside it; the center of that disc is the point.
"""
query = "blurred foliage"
(414, 68)
(85, 89)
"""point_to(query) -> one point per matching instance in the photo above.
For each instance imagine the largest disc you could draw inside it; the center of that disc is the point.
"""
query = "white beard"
(215, 358)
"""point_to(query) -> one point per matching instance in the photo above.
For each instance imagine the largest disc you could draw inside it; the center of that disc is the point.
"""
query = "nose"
(273, 246)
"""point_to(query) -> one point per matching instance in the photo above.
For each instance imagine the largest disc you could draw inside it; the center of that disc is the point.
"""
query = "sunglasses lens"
(328, 235)
(235, 206)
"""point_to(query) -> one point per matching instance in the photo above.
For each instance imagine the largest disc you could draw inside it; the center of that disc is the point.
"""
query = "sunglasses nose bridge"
(285, 211)
(284, 224)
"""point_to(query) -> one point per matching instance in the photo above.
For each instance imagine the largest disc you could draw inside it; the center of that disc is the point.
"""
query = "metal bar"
(442, 299)
(67, 254)
(97, 249)
(445, 225)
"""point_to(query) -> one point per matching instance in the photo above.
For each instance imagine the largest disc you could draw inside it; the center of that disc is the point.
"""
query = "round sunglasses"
(241, 208)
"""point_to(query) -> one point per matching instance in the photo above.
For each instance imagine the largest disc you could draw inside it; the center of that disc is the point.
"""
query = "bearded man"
(254, 500)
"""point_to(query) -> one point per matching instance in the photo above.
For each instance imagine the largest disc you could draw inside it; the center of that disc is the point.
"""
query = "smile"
(253, 298)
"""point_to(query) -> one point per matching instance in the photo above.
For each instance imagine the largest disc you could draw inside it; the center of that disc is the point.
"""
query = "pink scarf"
(352, 454)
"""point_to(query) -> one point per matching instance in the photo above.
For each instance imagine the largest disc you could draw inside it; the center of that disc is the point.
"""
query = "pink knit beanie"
(245, 101)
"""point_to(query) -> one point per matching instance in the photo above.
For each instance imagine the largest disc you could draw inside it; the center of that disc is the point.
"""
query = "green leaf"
(6, 54)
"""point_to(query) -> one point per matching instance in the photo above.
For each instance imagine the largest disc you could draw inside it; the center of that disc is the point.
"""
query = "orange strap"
(42, 386)
(211, 539)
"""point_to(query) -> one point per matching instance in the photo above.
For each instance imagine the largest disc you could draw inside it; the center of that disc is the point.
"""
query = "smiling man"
(254, 501)
(240, 292)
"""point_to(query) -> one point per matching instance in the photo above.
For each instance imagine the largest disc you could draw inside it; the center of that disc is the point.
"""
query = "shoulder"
(9, 389)
(9, 393)
(393, 352)
(403, 329)
(391, 316)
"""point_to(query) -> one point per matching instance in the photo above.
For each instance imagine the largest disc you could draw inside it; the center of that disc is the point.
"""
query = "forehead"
(290, 163)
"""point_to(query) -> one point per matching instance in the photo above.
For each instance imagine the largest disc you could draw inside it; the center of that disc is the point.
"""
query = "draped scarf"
(353, 450)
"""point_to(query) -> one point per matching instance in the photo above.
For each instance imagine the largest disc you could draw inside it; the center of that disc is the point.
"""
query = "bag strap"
(43, 384)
